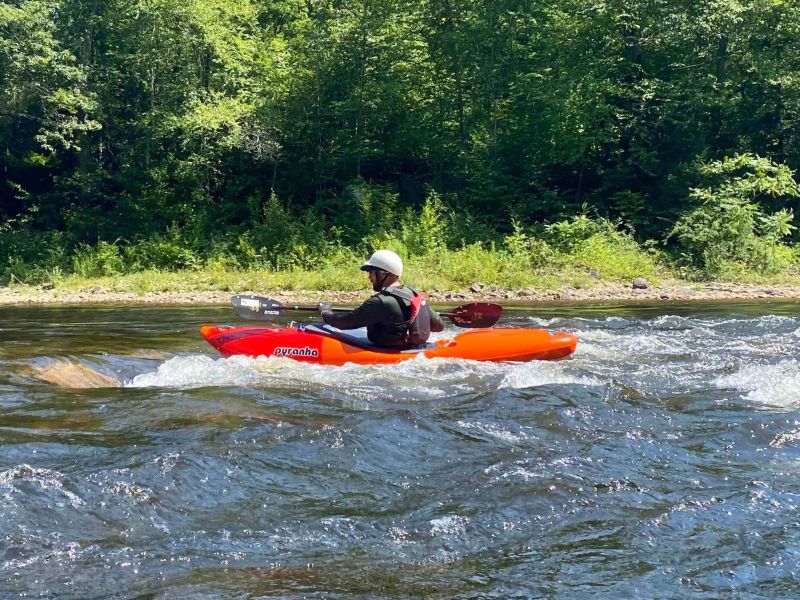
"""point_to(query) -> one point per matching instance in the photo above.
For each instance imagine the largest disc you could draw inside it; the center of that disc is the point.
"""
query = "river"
(662, 460)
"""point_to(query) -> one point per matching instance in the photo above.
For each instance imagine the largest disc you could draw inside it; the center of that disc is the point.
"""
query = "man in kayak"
(396, 316)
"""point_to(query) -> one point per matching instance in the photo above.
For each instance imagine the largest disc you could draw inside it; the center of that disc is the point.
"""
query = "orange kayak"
(323, 345)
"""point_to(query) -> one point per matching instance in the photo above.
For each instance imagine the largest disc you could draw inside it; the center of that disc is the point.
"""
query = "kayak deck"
(333, 347)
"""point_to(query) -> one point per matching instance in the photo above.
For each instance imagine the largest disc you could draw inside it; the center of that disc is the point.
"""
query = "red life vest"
(418, 325)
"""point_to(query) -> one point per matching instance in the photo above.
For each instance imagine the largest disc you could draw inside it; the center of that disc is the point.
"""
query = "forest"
(295, 134)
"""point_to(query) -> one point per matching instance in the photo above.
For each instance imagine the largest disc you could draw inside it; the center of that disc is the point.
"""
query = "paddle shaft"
(476, 315)
(336, 309)
(312, 308)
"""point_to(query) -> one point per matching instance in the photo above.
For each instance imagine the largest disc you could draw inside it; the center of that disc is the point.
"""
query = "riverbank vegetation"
(166, 144)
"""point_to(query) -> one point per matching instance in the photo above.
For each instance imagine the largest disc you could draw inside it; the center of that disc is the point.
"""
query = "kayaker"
(396, 316)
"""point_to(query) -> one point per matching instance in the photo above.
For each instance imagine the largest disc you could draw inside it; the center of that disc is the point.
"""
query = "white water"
(658, 461)
(755, 357)
(419, 377)
(775, 385)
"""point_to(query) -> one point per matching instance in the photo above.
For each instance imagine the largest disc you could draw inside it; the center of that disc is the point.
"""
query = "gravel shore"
(601, 293)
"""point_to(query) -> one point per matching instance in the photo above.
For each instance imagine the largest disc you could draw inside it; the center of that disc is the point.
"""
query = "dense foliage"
(165, 134)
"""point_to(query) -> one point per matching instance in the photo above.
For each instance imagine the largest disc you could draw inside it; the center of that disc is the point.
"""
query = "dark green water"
(661, 461)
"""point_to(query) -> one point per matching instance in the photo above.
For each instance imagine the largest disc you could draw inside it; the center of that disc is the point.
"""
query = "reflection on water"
(659, 461)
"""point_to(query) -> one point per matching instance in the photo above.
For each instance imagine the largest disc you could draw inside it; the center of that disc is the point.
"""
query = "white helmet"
(385, 260)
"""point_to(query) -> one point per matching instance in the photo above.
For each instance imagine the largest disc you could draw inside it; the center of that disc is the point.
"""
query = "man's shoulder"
(402, 291)
(376, 300)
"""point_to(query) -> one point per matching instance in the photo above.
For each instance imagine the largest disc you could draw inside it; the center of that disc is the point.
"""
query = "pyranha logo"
(304, 352)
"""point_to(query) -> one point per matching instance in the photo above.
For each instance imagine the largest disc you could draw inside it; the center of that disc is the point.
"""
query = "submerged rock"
(72, 374)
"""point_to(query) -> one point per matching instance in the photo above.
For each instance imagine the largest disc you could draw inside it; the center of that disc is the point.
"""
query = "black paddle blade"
(255, 307)
(478, 314)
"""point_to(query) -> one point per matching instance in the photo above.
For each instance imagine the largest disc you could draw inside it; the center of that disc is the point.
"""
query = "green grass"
(443, 270)
(335, 279)
(580, 253)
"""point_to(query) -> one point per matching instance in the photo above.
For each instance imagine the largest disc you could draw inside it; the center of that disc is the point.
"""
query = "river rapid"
(661, 460)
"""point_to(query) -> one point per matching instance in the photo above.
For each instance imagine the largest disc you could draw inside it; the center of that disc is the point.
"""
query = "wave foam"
(536, 373)
(199, 371)
(777, 384)
(420, 378)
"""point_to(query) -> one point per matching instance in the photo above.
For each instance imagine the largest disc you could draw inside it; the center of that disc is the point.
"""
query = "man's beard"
(380, 282)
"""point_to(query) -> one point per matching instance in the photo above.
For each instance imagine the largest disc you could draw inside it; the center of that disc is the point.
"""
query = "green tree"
(45, 107)
(729, 224)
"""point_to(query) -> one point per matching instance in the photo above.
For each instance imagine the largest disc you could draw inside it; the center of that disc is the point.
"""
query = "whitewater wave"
(417, 379)
(536, 373)
(200, 371)
(771, 384)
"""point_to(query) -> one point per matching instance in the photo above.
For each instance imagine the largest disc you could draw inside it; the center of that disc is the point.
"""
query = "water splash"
(200, 371)
(536, 373)
(13, 480)
(771, 384)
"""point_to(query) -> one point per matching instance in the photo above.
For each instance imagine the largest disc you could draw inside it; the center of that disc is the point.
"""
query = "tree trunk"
(360, 120)
(722, 59)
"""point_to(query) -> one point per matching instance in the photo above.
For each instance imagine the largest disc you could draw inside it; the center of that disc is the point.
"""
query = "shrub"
(101, 260)
(527, 250)
(376, 212)
(615, 256)
(363, 209)
(275, 233)
(570, 234)
(462, 267)
(31, 256)
(161, 253)
(729, 225)
(597, 245)
(426, 232)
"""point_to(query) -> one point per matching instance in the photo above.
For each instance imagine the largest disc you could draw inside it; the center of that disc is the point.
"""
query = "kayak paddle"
(477, 314)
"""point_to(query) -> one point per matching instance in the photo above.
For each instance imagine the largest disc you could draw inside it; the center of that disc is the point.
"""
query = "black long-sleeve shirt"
(384, 318)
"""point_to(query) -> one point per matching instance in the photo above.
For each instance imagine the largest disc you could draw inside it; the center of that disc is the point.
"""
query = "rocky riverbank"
(601, 292)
